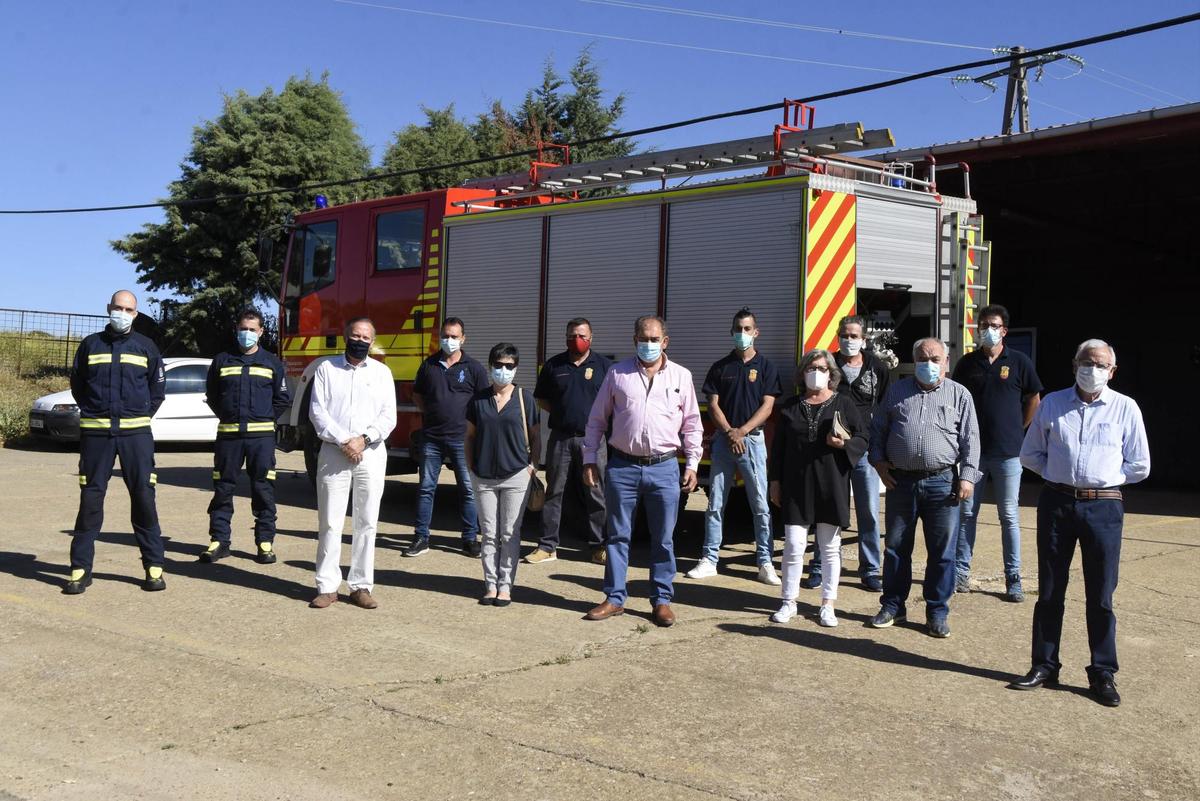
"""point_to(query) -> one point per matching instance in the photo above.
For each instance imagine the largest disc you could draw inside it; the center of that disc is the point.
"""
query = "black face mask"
(357, 349)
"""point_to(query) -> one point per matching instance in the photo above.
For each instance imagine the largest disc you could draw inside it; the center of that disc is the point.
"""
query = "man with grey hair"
(353, 410)
(1087, 442)
(925, 445)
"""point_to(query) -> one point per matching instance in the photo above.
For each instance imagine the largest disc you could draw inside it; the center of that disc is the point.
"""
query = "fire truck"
(788, 224)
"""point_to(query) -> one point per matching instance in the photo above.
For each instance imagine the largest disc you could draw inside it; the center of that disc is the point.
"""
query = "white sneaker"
(766, 574)
(827, 617)
(787, 611)
(705, 568)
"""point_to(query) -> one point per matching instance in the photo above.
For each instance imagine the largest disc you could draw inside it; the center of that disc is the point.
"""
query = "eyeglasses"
(812, 368)
(993, 326)
(506, 365)
(1090, 363)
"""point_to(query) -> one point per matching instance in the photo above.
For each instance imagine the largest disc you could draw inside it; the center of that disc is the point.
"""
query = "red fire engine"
(816, 235)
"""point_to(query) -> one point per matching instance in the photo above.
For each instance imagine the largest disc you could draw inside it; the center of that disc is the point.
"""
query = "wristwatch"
(366, 439)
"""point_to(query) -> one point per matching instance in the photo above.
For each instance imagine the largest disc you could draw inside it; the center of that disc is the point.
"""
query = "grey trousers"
(564, 481)
(501, 505)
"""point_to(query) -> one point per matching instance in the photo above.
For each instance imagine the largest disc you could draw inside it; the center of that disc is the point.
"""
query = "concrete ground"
(228, 686)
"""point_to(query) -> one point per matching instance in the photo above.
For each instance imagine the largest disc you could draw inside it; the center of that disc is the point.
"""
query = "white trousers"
(501, 506)
(829, 540)
(336, 476)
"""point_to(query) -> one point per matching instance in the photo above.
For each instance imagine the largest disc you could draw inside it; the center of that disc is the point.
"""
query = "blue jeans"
(433, 452)
(657, 486)
(930, 500)
(753, 466)
(864, 480)
(1096, 526)
(1006, 484)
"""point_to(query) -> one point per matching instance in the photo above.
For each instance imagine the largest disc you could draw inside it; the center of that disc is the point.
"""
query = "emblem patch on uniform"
(587, 374)
(1004, 373)
(753, 375)
(462, 376)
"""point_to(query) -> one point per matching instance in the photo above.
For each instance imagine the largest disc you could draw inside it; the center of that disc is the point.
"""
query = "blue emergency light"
(321, 201)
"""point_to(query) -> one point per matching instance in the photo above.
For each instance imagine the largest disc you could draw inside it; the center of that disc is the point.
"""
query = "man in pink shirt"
(651, 405)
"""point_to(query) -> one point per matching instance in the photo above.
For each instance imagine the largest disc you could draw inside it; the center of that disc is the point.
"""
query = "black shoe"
(1036, 678)
(938, 627)
(216, 550)
(473, 549)
(419, 546)
(502, 602)
(872, 583)
(1104, 690)
(266, 553)
(488, 601)
(811, 581)
(886, 618)
(154, 580)
(77, 586)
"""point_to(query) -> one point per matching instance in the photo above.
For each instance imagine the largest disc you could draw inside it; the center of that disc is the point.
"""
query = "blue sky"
(101, 98)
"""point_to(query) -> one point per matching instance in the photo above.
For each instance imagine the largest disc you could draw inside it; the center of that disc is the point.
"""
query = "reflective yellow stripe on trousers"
(94, 422)
(134, 422)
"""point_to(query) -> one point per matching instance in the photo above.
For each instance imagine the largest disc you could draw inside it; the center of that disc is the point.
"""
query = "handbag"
(840, 429)
(537, 490)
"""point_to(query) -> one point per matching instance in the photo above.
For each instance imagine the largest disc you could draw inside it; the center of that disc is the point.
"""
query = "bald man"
(117, 380)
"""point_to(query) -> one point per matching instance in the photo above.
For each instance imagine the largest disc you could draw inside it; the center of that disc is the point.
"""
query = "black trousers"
(564, 482)
(1095, 525)
(97, 453)
(229, 454)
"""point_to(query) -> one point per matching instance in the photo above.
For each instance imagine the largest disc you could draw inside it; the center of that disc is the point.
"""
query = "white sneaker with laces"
(766, 574)
(787, 611)
(827, 617)
(705, 568)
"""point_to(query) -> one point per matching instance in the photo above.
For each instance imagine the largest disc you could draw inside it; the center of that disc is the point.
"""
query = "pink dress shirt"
(649, 416)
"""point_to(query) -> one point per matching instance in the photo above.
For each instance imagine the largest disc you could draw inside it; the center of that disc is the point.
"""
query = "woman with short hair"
(819, 436)
(501, 450)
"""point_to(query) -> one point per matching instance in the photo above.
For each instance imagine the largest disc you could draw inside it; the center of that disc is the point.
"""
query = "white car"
(183, 416)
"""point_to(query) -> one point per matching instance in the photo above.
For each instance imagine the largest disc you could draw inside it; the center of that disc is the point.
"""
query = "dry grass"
(17, 395)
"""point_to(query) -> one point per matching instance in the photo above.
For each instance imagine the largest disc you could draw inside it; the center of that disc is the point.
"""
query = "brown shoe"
(663, 616)
(600, 556)
(604, 611)
(323, 600)
(363, 599)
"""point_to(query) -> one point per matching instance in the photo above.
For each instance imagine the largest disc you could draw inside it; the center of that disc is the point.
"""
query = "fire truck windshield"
(313, 265)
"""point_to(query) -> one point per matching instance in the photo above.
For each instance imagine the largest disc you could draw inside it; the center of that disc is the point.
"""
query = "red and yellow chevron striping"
(829, 272)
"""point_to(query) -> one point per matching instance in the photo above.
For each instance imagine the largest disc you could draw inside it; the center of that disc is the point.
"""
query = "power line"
(615, 38)
(855, 90)
(1140, 83)
(687, 12)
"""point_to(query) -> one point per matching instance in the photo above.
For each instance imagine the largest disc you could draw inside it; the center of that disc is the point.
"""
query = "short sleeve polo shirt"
(999, 389)
(570, 389)
(446, 391)
(741, 386)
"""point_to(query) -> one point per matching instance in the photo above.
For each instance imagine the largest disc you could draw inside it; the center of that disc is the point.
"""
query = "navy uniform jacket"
(118, 382)
(247, 392)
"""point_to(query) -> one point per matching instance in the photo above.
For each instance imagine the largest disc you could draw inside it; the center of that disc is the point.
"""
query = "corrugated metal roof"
(1040, 134)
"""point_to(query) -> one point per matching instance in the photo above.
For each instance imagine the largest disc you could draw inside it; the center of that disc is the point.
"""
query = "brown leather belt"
(1111, 493)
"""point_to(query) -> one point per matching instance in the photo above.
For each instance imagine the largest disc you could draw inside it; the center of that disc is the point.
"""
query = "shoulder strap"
(524, 422)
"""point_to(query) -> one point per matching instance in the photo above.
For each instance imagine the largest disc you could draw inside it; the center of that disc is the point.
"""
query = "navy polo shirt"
(741, 386)
(570, 390)
(999, 389)
(446, 391)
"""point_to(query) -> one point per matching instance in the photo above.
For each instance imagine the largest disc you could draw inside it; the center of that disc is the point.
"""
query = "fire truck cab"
(816, 236)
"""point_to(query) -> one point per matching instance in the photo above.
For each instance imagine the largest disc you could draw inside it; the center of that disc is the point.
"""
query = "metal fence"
(38, 342)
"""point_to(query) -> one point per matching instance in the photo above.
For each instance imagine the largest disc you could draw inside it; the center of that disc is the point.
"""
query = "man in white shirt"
(1086, 442)
(353, 411)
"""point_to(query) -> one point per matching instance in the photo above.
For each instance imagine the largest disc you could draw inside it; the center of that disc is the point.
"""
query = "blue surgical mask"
(649, 351)
(503, 376)
(990, 337)
(742, 340)
(247, 339)
(120, 320)
(450, 345)
(928, 373)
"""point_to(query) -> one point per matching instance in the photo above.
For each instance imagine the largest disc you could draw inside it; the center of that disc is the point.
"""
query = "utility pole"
(1016, 96)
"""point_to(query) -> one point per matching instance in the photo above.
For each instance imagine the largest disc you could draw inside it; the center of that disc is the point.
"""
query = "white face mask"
(450, 345)
(1092, 379)
(849, 346)
(990, 337)
(120, 320)
(815, 379)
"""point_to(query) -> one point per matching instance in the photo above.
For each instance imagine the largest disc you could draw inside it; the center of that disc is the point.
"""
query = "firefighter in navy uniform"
(247, 392)
(117, 380)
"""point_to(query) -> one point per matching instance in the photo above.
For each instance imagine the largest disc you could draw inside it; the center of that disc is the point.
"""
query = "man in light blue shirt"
(1086, 442)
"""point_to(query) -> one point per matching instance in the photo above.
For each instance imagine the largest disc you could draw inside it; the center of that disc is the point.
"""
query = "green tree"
(205, 253)
(443, 139)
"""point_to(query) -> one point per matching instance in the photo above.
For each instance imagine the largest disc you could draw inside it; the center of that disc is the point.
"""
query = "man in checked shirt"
(925, 445)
